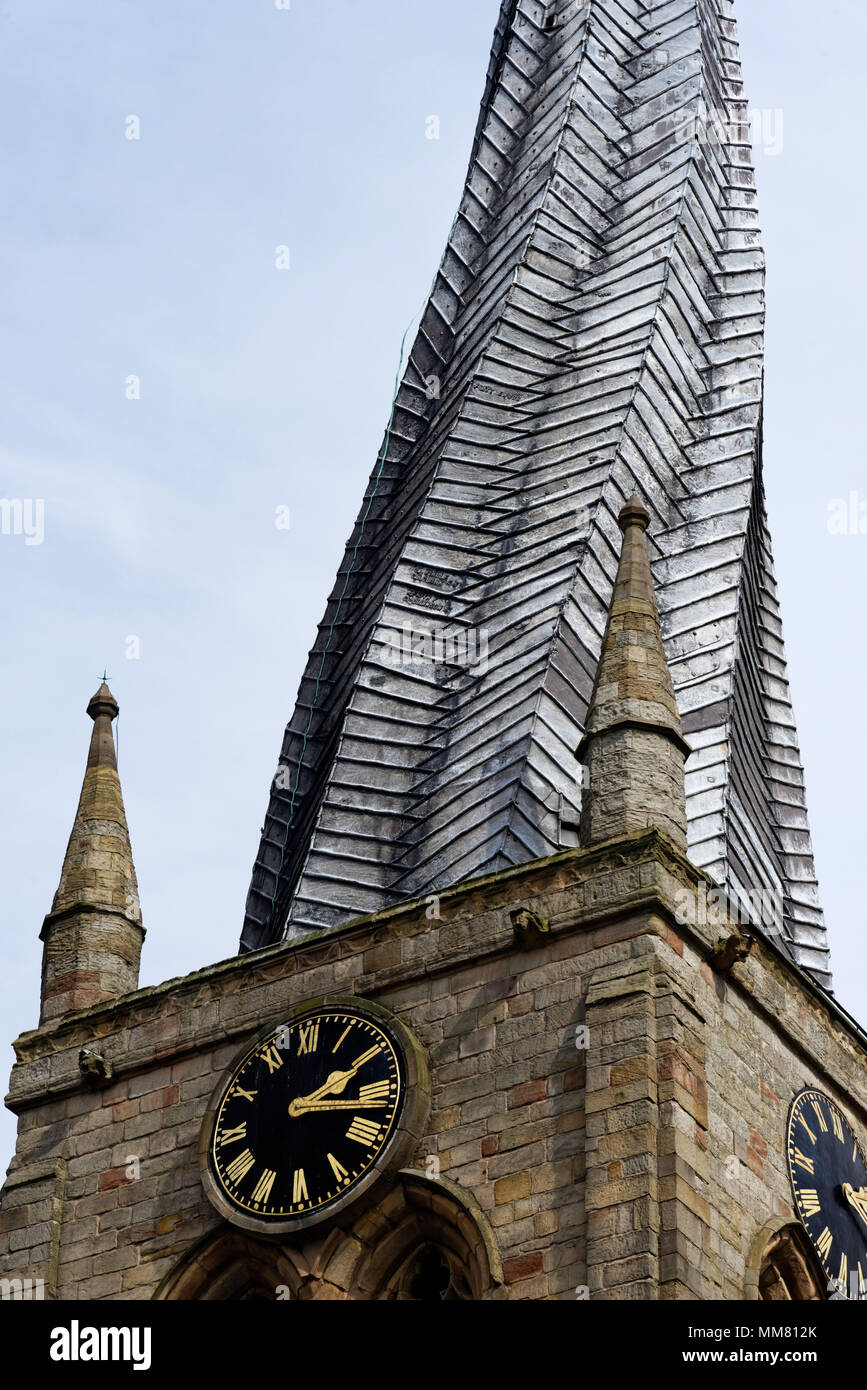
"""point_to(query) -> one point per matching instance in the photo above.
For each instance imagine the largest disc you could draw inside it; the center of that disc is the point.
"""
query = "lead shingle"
(597, 326)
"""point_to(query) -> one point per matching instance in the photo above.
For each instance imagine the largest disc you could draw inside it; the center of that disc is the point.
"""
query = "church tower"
(533, 998)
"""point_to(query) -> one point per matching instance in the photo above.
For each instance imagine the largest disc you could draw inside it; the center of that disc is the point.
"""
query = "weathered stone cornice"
(613, 890)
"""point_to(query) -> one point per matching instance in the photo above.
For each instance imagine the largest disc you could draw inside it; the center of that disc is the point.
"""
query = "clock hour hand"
(857, 1198)
(335, 1083)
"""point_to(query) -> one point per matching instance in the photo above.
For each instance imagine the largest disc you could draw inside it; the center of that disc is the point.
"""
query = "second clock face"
(306, 1115)
(829, 1185)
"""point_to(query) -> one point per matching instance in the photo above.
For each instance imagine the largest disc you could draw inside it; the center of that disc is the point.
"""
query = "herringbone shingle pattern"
(595, 327)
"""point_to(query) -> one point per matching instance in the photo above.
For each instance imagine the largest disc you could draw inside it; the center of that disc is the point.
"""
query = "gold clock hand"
(335, 1083)
(301, 1106)
(857, 1198)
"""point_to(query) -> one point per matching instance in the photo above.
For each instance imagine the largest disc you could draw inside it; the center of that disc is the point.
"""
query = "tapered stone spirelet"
(92, 937)
(633, 747)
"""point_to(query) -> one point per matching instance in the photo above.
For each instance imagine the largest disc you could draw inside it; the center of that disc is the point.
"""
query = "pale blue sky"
(260, 388)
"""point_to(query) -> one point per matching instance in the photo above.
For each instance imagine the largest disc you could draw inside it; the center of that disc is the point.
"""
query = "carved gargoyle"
(729, 951)
(96, 1068)
(530, 929)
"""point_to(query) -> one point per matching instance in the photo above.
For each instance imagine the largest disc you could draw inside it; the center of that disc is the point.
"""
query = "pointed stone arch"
(230, 1266)
(427, 1240)
(438, 1245)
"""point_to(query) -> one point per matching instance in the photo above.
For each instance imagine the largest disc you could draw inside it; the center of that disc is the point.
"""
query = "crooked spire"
(93, 934)
(597, 322)
(633, 746)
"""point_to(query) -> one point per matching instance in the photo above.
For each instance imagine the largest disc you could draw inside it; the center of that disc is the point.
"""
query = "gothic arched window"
(433, 1273)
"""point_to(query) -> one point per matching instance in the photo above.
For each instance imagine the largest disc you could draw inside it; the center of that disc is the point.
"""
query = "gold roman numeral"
(843, 1276)
(272, 1057)
(824, 1243)
(807, 1128)
(374, 1090)
(819, 1116)
(262, 1190)
(239, 1092)
(810, 1201)
(363, 1131)
(299, 1186)
(240, 1166)
(231, 1136)
(803, 1162)
(308, 1037)
(838, 1128)
(337, 1168)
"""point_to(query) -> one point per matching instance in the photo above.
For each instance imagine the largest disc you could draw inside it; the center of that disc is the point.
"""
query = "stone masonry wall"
(647, 1164)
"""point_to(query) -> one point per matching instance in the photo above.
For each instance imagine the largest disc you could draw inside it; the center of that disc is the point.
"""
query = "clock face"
(829, 1185)
(307, 1115)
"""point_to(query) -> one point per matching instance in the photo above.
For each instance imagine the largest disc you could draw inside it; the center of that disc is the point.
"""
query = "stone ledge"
(618, 883)
(475, 924)
(50, 1169)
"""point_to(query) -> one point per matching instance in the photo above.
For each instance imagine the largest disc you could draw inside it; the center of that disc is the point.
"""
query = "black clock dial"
(829, 1186)
(306, 1114)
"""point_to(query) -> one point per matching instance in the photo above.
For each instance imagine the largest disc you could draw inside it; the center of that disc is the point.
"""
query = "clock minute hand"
(336, 1082)
(302, 1106)
(857, 1198)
